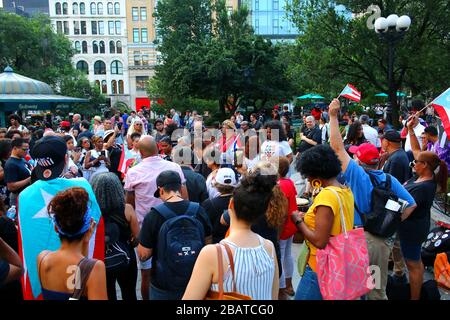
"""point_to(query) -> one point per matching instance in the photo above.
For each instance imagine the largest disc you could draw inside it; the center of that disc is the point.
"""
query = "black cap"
(49, 154)
(392, 135)
(167, 179)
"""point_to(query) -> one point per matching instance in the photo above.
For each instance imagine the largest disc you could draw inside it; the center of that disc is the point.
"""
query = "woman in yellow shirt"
(321, 166)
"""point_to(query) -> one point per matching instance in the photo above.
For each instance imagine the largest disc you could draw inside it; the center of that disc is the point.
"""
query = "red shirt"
(288, 188)
(316, 113)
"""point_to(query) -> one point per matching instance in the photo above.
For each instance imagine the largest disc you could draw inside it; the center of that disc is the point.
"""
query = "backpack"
(117, 253)
(381, 221)
(438, 241)
(180, 240)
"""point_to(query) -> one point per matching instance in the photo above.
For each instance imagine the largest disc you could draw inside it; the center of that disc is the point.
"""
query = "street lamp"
(391, 30)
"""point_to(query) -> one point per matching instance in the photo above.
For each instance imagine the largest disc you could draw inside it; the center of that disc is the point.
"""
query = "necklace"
(175, 195)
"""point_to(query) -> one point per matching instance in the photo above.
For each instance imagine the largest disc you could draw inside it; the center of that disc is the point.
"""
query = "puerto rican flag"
(127, 160)
(442, 106)
(351, 93)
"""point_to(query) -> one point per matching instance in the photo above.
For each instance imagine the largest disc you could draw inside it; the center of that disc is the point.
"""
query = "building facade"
(25, 8)
(98, 32)
(269, 19)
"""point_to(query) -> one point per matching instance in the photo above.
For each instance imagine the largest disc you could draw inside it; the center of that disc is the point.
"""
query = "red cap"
(366, 153)
(64, 124)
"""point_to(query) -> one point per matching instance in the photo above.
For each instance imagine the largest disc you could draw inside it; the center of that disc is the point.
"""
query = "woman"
(98, 127)
(74, 157)
(212, 157)
(322, 220)
(97, 159)
(430, 176)
(279, 147)
(254, 257)
(136, 126)
(289, 132)
(114, 150)
(109, 193)
(75, 226)
(355, 135)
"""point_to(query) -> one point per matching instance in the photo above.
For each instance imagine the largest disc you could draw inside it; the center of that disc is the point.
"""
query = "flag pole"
(418, 112)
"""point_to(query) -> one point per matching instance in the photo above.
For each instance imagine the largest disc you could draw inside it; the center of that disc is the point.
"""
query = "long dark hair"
(352, 135)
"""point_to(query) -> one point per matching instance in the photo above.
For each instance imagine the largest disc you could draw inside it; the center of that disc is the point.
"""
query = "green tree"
(334, 46)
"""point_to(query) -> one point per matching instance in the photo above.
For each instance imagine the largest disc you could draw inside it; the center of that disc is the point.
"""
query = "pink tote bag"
(343, 266)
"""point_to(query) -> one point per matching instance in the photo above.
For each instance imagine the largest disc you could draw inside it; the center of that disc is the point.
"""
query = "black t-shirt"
(16, 170)
(215, 208)
(415, 228)
(313, 134)
(196, 185)
(148, 237)
(397, 165)
(4, 192)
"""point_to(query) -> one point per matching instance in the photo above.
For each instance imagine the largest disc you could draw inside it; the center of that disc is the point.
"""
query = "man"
(14, 120)
(131, 118)
(36, 227)
(239, 117)
(370, 133)
(65, 128)
(175, 117)
(397, 164)
(255, 123)
(356, 174)
(162, 280)
(85, 132)
(195, 182)
(17, 170)
(432, 137)
(312, 135)
(140, 185)
(160, 131)
(76, 122)
(418, 129)
(383, 126)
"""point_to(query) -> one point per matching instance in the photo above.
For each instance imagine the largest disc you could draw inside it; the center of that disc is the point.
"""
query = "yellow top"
(328, 198)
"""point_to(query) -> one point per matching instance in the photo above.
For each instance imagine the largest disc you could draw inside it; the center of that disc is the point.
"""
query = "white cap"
(226, 177)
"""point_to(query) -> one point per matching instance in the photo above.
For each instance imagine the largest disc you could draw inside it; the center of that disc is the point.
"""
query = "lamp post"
(391, 30)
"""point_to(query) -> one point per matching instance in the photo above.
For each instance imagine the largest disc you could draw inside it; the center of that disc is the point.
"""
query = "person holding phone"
(97, 159)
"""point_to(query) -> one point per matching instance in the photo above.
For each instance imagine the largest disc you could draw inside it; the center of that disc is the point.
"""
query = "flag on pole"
(351, 93)
(442, 106)
(127, 160)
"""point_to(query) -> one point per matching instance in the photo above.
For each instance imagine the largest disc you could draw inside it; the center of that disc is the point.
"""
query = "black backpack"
(381, 221)
(117, 253)
(180, 240)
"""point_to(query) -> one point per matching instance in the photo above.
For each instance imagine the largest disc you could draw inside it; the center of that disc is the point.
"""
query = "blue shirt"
(359, 181)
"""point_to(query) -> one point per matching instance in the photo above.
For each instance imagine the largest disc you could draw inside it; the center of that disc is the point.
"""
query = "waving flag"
(37, 233)
(127, 160)
(351, 93)
(442, 106)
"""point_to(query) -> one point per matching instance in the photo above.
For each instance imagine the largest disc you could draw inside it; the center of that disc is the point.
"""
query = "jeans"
(308, 287)
(160, 294)
(286, 260)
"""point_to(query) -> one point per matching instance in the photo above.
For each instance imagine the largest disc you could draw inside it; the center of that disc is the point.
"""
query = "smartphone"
(103, 153)
(119, 125)
(77, 149)
(239, 157)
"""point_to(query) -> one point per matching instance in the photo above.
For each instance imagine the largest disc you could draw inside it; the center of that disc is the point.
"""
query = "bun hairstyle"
(252, 196)
(69, 207)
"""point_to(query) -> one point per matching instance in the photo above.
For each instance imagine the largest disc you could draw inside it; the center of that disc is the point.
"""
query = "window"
(114, 87)
(116, 67)
(76, 27)
(58, 8)
(118, 27)
(99, 67)
(256, 5)
(110, 27)
(137, 58)
(102, 46)
(119, 47)
(135, 13)
(143, 13)
(104, 87)
(121, 87)
(59, 28)
(93, 8)
(66, 27)
(94, 47)
(77, 47)
(145, 59)
(84, 47)
(276, 5)
(83, 27)
(83, 66)
(82, 8)
(100, 8)
(75, 8)
(94, 27)
(257, 25)
(135, 35)
(141, 83)
(110, 8)
(65, 8)
(116, 8)
(275, 26)
(101, 27)
(229, 11)
(144, 35)
(112, 47)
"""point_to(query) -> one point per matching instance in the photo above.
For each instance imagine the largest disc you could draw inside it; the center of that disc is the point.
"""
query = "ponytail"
(277, 211)
(441, 177)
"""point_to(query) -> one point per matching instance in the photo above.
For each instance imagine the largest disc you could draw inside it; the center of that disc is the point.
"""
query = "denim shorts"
(308, 288)
(411, 252)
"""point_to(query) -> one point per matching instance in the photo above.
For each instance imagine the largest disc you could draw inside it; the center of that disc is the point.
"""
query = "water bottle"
(11, 213)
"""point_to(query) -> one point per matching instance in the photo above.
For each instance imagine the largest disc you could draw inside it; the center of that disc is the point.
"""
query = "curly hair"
(276, 213)
(319, 162)
(69, 207)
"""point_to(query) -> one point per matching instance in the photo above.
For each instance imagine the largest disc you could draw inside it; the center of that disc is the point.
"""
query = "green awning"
(39, 98)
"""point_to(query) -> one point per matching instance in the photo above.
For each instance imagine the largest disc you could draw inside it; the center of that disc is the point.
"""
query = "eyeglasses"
(413, 163)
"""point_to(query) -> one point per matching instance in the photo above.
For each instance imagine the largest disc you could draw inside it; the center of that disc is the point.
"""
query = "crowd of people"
(169, 198)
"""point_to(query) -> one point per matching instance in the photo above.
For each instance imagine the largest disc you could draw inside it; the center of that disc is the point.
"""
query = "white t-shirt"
(418, 130)
(371, 135)
(274, 149)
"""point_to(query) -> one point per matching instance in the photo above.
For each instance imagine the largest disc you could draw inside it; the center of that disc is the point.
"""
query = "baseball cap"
(226, 177)
(64, 124)
(366, 153)
(49, 154)
(165, 179)
(392, 135)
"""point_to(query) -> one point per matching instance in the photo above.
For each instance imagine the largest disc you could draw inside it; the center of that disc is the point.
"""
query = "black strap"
(84, 270)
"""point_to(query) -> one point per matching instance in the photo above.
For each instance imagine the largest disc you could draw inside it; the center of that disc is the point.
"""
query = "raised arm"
(415, 146)
(336, 142)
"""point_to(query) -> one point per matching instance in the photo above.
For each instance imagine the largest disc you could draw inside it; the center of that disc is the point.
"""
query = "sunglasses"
(413, 163)
(138, 124)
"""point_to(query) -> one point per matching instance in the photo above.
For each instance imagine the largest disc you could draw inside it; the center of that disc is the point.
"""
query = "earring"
(316, 184)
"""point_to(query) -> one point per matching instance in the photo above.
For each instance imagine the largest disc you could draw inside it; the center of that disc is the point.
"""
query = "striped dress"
(254, 271)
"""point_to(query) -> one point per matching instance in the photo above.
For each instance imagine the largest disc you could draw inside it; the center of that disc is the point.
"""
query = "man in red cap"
(65, 128)
(359, 173)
